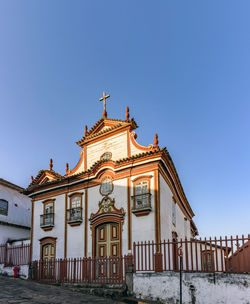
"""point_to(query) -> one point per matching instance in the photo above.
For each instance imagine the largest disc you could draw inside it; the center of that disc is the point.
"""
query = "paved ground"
(16, 291)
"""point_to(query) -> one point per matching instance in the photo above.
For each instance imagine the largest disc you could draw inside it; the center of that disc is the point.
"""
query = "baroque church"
(118, 193)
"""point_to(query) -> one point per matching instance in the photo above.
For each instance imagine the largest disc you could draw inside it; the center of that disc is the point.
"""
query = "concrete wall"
(8, 271)
(198, 288)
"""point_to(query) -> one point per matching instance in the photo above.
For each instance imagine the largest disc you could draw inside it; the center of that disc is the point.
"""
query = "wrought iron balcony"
(47, 220)
(74, 215)
(141, 204)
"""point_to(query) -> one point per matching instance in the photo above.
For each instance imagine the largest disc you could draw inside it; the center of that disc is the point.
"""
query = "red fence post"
(158, 262)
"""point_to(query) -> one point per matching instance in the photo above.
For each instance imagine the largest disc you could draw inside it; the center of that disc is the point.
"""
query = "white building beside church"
(15, 212)
(119, 192)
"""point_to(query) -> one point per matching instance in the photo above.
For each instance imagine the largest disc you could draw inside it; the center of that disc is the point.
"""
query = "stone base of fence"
(205, 288)
(8, 271)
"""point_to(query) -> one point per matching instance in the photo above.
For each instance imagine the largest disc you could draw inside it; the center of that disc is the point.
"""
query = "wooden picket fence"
(82, 270)
(194, 255)
(14, 255)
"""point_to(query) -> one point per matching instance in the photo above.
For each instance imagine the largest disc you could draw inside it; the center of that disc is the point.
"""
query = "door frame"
(106, 215)
(45, 241)
(95, 236)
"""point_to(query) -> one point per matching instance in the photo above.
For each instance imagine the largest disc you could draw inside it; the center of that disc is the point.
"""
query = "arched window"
(74, 213)
(47, 218)
(142, 196)
(3, 207)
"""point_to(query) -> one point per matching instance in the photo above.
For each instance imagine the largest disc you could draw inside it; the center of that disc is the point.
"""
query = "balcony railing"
(74, 215)
(142, 203)
(47, 220)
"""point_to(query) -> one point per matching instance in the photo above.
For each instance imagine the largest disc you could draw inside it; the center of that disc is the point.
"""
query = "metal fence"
(82, 270)
(14, 255)
(197, 255)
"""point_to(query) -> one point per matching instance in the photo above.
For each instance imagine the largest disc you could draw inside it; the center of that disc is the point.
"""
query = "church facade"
(119, 192)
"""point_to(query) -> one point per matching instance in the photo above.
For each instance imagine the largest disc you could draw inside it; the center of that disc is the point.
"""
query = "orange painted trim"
(77, 166)
(111, 164)
(32, 229)
(86, 224)
(138, 146)
(105, 135)
(105, 173)
(129, 214)
(124, 174)
(65, 226)
(47, 228)
(141, 213)
(141, 178)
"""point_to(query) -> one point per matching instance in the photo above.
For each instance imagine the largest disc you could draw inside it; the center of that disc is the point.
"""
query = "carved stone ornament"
(106, 186)
(107, 207)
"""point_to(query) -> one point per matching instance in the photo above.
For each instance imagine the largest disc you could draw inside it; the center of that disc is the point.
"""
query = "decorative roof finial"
(156, 141)
(104, 97)
(51, 164)
(32, 179)
(127, 114)
(67, 168)
(86, 130)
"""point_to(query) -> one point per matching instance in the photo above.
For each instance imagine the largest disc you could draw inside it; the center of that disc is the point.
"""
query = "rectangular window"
(3, 207)
(142, 196)
(174, 213)
(185, 227)
(47, 218)
(74, 214)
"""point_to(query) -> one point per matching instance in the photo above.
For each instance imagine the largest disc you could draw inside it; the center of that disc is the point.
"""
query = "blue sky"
(181, 66)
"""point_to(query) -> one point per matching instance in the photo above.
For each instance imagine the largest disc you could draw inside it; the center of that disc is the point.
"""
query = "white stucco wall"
(116, 144)
(57, 231)
(19, 207)
(197, 288)
(19, 213)
(12, 233)
(167, 226)
(143, 227)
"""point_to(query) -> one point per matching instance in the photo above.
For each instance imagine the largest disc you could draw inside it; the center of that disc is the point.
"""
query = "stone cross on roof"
(104, 97)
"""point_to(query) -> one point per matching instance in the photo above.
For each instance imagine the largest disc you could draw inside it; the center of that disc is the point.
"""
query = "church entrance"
(108, 243)
(108, 251)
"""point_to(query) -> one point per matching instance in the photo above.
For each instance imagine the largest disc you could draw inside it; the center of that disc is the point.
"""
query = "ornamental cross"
(104, 97)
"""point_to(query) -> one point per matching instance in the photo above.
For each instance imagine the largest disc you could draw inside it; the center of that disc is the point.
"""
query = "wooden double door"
(48, 261)
(108, 240)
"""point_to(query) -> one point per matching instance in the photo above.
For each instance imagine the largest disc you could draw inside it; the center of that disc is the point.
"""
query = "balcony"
(141, 204)
(74, 216)
(47, 221)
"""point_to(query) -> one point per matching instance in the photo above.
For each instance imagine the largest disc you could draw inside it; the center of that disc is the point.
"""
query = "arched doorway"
(108, 240)
(48, 252)
(106, 225)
